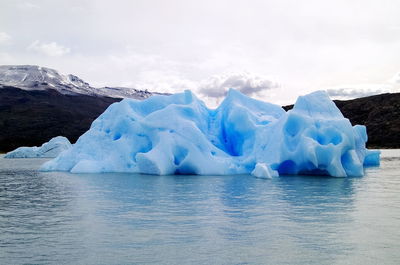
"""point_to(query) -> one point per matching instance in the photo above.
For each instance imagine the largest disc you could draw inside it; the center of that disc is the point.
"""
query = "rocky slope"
(32, 117)
(381, 115)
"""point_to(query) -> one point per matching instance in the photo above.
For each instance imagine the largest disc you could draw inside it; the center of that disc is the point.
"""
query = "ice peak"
(235, 97)
(317, 104)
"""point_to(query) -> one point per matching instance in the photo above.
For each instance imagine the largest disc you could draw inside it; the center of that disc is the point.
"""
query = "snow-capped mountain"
(33, 77)
(124, 92)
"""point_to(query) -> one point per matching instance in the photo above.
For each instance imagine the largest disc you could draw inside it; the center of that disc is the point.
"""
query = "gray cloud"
(358, 91)
(352, 93)
(392, 85)
(249, 84)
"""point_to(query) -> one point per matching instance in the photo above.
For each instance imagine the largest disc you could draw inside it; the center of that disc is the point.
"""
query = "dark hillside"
(30, 118)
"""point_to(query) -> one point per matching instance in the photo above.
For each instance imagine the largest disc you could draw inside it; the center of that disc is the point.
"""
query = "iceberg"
(262, 170)
(178, 134)
(50, 149)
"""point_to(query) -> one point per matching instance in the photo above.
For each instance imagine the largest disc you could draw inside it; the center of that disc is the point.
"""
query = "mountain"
(39, 103)
(33, 77)
(379, 113)
(33, 117)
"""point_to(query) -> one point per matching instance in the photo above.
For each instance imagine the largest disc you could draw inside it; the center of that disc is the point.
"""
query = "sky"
(271, 50)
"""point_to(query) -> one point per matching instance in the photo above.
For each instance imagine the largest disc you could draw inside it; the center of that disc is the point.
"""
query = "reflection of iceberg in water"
(318, 206)
(300, 213)
(218, 214)
(178, 134)
(114, 218)
(317, 196)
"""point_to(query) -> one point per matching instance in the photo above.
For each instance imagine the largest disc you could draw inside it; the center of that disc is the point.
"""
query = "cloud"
(391, 85)
(50, 49)
(314, 45)
(249, 84)
(27, 5)
(348, 93)
(4, 38)
(395, 79)
(6, 58)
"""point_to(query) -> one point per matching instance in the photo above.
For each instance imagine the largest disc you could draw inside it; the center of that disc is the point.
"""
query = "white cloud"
(314, 45)
(349, 93)
(4, 38)
(6, 58)
(50, 49)
(27, 5)
(364, 90)
(395, 79)
(166, 83)
(249, 84)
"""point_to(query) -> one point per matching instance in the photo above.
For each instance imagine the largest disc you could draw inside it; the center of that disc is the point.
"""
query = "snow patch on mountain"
(33, 77)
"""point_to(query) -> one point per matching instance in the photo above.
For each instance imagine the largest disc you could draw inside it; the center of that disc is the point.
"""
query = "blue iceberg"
(178, 134)
(50, 149)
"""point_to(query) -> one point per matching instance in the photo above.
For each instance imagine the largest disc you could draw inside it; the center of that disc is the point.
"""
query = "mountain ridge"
(34, 77)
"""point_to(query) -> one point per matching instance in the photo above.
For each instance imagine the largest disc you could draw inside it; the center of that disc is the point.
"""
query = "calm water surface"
(60, 218)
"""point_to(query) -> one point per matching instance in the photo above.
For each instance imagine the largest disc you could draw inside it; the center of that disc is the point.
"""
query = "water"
(60, 218)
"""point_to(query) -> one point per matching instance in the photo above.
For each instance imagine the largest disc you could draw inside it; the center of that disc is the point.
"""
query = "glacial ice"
(262, 170)
(50, 149)
(178, 134)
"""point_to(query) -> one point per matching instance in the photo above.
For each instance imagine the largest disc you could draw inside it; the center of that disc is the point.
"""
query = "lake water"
(60, 218)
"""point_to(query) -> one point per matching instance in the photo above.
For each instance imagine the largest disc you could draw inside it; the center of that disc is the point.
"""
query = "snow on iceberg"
(50, 149)
(178, 134)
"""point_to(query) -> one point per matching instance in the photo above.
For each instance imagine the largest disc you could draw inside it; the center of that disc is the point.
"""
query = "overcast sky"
(274, 50)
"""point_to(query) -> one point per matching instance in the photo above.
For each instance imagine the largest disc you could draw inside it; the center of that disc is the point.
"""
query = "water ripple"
(60, 218)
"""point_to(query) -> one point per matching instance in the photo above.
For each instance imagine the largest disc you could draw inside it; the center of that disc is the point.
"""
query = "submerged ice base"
(178, 134)
(50, 149)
